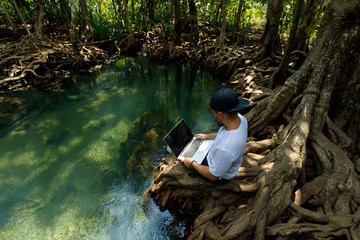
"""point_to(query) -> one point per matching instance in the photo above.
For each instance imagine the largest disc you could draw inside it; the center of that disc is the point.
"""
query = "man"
(226, 153)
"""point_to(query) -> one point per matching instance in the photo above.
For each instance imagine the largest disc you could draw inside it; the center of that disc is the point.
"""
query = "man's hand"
(204, 136)
(203, 170)
(187, 161)
(201, 136)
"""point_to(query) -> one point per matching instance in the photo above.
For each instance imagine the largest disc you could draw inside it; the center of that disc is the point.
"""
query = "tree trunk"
(281, 74)
(176, 36)
(38, 17)
(163, 30)
(221, 39)
(132, 11)
(118, 13)
(73, 34)
(65, 13)
(184, 15)
(318, 15)
(21, 17)
(8, 19)
(303, 180)
(128, 22)
(305, 27)
(217, 14)
(193, 22)
(270, 41)
(143, 11)
(172, 6)
(84, 21)
(150, 12)
(238, 15)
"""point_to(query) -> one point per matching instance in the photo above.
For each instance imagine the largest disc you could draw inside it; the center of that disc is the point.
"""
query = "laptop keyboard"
(190, 151)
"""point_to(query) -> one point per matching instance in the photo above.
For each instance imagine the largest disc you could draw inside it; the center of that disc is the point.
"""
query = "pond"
(75, 164)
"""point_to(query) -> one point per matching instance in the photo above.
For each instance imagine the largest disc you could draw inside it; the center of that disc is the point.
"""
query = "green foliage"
(26, 9)
(11, 10)
(254, 13)
(51, 13)
(164, 18)
(102, 29)
(287, 16)
(151, 14)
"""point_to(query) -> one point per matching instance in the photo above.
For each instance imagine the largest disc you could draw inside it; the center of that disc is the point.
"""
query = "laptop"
(183, 144)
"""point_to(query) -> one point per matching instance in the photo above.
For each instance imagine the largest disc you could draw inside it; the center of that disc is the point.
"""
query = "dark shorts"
(205, 162)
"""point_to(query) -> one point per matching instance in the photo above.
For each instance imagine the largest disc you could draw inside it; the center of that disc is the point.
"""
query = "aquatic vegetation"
(143, 141)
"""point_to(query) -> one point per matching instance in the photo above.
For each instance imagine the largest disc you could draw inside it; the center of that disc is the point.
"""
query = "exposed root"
(39, 57)
(321, 225)
(297, 179)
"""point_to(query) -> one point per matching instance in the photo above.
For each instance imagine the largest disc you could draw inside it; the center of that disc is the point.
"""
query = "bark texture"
(281, 74)
(66, 17)
(73, 34)
(193, 23)
(238, 15)
(300, 178)
(177, 23)
(84, 21)
(306, 26)
(221, 39)
(38, 18)
(270, 43)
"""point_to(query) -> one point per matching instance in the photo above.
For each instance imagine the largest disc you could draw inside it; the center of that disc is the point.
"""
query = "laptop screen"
(178, 137)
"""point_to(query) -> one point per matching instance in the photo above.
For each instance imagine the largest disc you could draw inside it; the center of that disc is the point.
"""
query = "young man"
(226, 153)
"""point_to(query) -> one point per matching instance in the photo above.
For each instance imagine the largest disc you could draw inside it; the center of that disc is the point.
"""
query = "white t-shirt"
(226, 153)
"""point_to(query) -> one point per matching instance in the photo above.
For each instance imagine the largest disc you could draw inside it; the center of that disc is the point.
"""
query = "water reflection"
(74, 165)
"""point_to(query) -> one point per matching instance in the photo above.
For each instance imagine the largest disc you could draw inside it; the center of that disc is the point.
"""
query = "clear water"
(62, 172)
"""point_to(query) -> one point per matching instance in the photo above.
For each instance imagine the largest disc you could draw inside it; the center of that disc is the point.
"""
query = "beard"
(219, 123)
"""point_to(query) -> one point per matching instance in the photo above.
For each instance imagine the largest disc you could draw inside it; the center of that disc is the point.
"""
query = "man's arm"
(206, 136)
(203, 170)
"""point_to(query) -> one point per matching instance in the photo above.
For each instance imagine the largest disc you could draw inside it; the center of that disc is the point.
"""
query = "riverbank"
(27, 62)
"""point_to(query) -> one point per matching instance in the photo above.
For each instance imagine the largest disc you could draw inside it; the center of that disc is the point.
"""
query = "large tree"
(194, 28)
(281, 74)
(177, 23)
(306, 26)
(221, 39)
(73, 34)
(300, 178)
(270, 46)
(128, 22)
(65, 16)
(238, 15)
(84, 20)
(38, 17)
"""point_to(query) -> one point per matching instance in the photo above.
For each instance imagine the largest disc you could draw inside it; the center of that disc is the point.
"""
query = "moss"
(143, 141)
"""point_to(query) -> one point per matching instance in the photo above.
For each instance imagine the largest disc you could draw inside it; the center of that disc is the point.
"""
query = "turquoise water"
(65, 169)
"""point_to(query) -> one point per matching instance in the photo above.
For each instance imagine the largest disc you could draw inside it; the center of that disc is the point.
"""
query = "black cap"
(226, 100)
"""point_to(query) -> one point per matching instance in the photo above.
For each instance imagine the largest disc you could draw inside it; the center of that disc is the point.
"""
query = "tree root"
(260, 201)
(39, 57)
(321, 225)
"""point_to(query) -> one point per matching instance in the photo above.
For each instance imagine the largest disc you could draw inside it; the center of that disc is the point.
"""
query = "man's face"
(217, 116)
